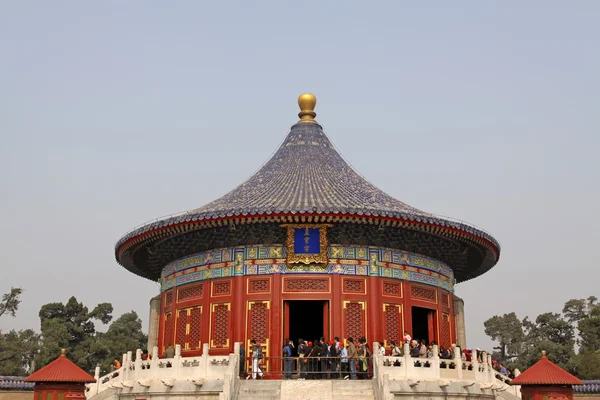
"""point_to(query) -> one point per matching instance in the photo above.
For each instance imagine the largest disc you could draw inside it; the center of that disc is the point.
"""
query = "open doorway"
(306, 319)
(423, 324)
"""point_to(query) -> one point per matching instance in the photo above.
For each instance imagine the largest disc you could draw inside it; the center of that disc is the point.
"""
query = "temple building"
(305, 248)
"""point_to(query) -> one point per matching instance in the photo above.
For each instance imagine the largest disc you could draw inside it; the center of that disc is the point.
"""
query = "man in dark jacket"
(303, 352)
(288, 361)
(313, 360)
(335, 358)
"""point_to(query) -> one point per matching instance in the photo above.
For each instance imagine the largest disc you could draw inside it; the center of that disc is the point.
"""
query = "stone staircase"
(356, 390)
(305, 390)
(259, 389)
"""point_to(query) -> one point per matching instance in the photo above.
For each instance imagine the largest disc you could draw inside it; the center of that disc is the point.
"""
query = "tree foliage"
(520, 343)
(507, 330)
(17, 352)
(10, 302)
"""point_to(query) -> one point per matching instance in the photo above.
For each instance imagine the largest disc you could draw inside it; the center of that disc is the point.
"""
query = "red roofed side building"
(545, 380)
(60, 380)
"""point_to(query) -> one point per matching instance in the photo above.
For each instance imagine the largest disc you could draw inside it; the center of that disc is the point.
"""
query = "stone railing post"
(408, 362)
(205, 358)
(123, 368)
(154, 361)
(435, 361)
(97, 377)
(236, 351)
(177, 360)
(474, 361)
(457, 353)
(129, 365)
(491, 371)
(138, 363)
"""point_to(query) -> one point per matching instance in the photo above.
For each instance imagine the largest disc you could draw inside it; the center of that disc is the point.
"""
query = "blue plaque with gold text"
(307, 240)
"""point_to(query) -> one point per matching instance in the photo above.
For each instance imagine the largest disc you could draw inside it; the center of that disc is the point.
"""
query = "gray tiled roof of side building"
(590, 386)
(15, 383)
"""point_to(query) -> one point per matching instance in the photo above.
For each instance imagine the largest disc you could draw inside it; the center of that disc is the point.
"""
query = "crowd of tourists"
(332, 359)
(317, 359)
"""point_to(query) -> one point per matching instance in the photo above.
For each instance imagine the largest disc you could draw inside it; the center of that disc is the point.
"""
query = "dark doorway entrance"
(306, 319)
(423, 324)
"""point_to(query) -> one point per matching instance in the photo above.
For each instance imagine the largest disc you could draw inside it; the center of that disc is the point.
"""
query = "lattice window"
(221, 288)
(446, 337)
(168, 335)
(422, 293)
(306, 285)
(180, 330)
(445, 299)
(195, 321)
(220, 325)
(354, 286)
(169, 298)
(192, 292)
(392, 289)
(354, 321)
(258, 286)
(259, 322)
(392, 322)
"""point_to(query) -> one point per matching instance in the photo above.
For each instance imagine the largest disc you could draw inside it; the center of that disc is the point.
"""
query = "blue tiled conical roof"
(306, 175)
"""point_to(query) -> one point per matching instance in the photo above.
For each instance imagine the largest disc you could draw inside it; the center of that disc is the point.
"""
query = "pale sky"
(114, 113)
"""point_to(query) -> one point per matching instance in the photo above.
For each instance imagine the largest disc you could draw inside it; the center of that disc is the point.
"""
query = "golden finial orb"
(307, 103)
(63, 352)
(543, 353)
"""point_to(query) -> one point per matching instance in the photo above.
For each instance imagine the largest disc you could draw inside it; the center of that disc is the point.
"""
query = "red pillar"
(238, 310)
(374, 312)
(336, 307)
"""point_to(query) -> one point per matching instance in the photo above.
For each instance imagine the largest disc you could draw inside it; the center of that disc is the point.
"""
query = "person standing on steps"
(256, 357)
(303, 352)
(169, 352)
(352, 357)
(287, 359)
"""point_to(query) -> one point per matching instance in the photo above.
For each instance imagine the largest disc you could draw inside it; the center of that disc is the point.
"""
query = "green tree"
(10, 302)
(71, 326)
(550, 332)
(124, 334)
(17, 352)
(507, 330)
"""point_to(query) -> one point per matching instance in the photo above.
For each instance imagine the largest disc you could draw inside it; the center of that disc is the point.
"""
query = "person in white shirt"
(381, 350)
(406, 337)
(344, 359)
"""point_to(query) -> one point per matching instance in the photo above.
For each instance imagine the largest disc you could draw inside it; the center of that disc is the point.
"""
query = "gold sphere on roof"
(307, 103)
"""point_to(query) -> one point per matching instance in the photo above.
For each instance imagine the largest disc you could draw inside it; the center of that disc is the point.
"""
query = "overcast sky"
(114, 113)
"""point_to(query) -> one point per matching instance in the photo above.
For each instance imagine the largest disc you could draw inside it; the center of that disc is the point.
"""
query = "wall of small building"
(586, 396)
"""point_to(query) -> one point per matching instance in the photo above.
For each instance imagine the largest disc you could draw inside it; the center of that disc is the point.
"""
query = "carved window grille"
(446, 337)
(169, 298)
(221, 288)
(354, 286)
(168, 335)
(445, 299)
(258, 286)
(259, 322)
(355, 321)
(180, 330)
(306, 285)
(195, 321)
(422, 293)
(220, 325)
(192, 292)
(392, 289)
(392, 322)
